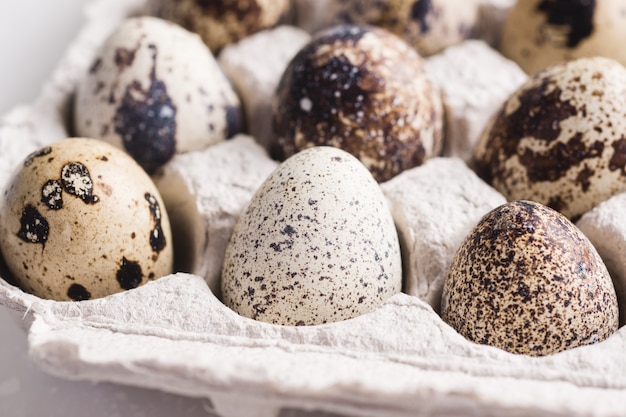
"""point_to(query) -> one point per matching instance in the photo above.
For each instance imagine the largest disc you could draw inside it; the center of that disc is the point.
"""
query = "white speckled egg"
(559, 140)
(154, 89)
(316, 244)
(222, 22)
(528, 281)
(428, 25)
(80, 220)
(364, 90)
(539, 33)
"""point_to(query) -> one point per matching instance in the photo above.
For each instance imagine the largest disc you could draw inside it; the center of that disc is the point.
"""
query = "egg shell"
(364, 90)
(154, 89)
(428, 25)
(80, 220)
(316, 244)
(528, 281)
(222, 22)
(559, 139)
(539, 33)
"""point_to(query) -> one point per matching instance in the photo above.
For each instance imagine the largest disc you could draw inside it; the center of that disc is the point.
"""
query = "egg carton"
(175, 335)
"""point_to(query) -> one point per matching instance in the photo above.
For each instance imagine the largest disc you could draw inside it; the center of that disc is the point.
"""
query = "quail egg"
(559, 140)
(316, 244)
(539, 33)
(81, 220)
(154, 89)
(526, 280)
(428, 25)
(222, 22)
(361, 89)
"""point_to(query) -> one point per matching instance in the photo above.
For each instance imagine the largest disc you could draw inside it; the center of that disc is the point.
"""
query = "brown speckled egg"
(428, 25)
(316, 244)
(80, 220)
(154, 89)
(560, 139)
(222, 22)
(526, 280)
(361, 89)
(539, 33)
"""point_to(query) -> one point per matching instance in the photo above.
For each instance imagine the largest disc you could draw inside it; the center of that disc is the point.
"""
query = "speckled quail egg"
(316, 244)
(154, 89)
(361, 89)
(528, 281)
(428, 25)
(559, 139)
(539, 33)
(222, 22)
(80, 219)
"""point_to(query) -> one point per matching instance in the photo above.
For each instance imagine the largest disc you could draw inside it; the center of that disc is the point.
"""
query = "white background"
(33, 36)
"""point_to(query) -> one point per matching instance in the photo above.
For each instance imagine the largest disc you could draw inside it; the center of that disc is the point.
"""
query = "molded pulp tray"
(174, 335)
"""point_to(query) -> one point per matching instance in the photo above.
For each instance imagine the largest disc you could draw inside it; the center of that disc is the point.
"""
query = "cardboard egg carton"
(175, 335)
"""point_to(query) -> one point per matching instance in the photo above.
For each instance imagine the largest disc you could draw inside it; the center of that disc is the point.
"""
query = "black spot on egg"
(97, 64)
(124, 57)
(575, 16)
(76, 180)
(146, 121)
(618, 160)
(37, 154)
(77, 292)
(221, 8)
(233, 121)
(34, 227)
(129, 275)
(157, 237)
(419, 12)
(52, 194)
(555, 162)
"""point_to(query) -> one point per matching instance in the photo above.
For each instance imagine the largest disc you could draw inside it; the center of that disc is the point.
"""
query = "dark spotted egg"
(560, 139)
(222, 22)
(361, 89)
(526, 280)
(316, 244)
(539, 33)
(154, 89)
(428, 25)
(80, 220)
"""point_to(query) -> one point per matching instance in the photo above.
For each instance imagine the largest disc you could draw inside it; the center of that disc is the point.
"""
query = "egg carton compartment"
(174, 334)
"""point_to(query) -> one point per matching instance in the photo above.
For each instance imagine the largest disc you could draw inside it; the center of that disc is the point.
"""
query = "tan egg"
(428, 25)
(222, 22)
(559, 139)
(361, 89)
(526, 280)
(316, 244)
(539, 33)
(80, 220)
(154, 90)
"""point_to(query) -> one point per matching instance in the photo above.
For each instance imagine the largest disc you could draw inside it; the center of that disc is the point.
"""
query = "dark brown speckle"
(34, 227)
(146, 121)
(77, 292)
